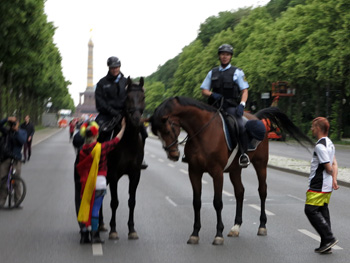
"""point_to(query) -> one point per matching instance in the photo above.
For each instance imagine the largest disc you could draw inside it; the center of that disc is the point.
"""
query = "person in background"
(92, 170)
(29, 127)
(72, 124)
(229, 82)
(15, 138)
(322, 181)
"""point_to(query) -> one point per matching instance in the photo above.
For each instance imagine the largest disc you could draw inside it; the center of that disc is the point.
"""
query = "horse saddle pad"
(255, 130)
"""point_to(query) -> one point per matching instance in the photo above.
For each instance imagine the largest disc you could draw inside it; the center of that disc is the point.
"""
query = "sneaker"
(244, 160)
(328, 251)
(328, 245)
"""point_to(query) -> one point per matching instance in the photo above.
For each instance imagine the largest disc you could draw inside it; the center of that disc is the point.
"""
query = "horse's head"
(135, 101)
(167, 128)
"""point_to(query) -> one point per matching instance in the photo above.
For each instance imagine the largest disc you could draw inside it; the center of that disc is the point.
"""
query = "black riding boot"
(243, 147)
(144, 135)
(84, 237)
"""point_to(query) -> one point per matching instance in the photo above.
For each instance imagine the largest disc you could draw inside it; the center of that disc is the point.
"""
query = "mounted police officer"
(229, 82)
(110, 96)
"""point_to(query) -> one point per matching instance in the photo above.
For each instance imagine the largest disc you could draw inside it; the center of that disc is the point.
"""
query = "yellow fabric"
(317, 198)
(85, 205)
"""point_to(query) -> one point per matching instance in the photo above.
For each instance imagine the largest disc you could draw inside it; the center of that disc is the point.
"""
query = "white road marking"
(161, 160)
(226, 193)
(170, 201)
(171, 165)
(204, 182)
(183, 171)
(295, 197)
(316, 237)
(97, 250)
(258, 208)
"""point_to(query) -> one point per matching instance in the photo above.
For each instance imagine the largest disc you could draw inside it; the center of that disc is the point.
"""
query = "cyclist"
(14, 140)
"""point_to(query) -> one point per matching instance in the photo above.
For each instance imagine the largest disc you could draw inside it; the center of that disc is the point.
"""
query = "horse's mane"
(167, 107)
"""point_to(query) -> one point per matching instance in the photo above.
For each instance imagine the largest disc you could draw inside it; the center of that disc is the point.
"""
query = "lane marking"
(171, 165)
(316, 237)
(183, 171)
(204, 182)
(295, 197)
(258, 208)
(170, 201)
(97, 250)
(161, 160)
(227, 193)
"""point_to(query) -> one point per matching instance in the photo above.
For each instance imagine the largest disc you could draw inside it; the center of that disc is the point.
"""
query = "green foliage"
(30, 70)
(304, 42)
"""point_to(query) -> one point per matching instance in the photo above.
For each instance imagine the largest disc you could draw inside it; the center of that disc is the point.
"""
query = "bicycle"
(16, 187)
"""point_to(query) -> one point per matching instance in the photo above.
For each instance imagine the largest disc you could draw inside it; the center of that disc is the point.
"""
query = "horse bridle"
(167, 148)
(172, 123)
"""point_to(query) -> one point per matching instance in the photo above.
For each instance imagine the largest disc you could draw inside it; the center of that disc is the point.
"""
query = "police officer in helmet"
(110, 96)
(229, 82)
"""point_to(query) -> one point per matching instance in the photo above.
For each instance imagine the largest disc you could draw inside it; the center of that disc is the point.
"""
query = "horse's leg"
(218, 185)
(113, 186)
(196, 182)
(260, 168)
(236, 180)
(134, 181)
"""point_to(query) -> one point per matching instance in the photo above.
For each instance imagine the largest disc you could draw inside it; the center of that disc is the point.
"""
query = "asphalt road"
(45, 229)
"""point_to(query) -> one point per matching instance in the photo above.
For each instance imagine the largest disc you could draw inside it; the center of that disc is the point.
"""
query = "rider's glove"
(240, 110)
(216, 96)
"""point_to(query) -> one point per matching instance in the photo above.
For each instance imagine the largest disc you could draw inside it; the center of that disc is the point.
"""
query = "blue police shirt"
(238, 77)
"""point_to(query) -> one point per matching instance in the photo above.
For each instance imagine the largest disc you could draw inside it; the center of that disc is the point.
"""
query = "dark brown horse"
(206, 150)
(126, 159)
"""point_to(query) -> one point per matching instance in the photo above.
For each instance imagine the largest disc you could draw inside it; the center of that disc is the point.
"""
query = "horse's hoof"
(193, 240)
(262, 231)
(133, 236)
(234, 232)
(113, 236)
(218, 241)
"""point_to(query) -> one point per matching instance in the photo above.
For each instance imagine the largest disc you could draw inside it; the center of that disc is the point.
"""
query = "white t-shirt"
(319, 179)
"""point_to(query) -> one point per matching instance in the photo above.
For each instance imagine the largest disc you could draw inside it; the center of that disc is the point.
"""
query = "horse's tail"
(275, 116)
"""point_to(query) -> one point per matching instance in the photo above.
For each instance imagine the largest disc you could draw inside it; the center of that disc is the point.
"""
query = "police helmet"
(113, 62)
(225, 48)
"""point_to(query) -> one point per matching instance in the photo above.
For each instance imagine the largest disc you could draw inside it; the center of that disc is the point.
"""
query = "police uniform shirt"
(319, 179)
(238, 77)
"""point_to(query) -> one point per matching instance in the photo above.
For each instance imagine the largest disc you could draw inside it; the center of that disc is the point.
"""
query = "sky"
(143, 34)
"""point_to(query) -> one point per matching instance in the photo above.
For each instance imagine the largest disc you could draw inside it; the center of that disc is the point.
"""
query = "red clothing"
(71, 126)
(106, 147)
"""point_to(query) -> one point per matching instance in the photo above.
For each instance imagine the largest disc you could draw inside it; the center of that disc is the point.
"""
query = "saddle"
(255, 130)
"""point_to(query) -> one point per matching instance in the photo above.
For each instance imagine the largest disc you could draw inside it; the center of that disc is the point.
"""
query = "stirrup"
(243, 164)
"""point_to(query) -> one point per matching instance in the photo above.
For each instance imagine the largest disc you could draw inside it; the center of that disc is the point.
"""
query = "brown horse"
(128, 156)
(206, 150)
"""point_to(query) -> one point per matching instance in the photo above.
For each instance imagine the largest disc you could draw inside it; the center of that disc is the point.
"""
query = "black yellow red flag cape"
(88, 169)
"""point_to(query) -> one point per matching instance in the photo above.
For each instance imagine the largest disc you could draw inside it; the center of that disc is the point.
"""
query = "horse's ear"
(141, 82)
(128, 82)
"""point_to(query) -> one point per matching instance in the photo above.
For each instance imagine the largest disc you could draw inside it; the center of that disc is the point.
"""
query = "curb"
(342, 183)
(45, 137)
